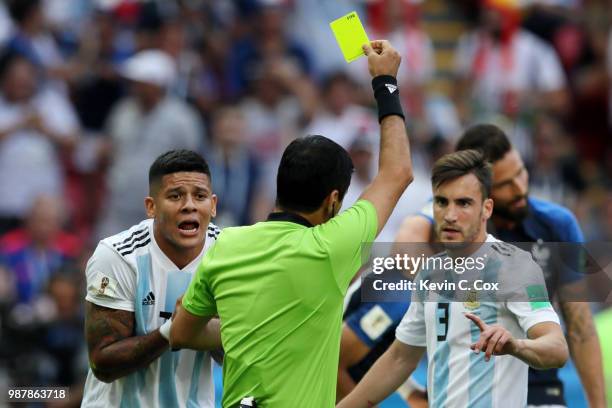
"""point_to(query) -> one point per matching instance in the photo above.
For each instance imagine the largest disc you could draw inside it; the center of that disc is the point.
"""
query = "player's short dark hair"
(458, 164)
(20, 10)
(310, 169)
(489, 139)
(175, 161)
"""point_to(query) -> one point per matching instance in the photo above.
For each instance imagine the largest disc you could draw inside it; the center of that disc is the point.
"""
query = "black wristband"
(387, 97)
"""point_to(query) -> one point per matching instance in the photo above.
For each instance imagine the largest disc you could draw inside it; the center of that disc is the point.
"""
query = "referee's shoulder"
(221, 234)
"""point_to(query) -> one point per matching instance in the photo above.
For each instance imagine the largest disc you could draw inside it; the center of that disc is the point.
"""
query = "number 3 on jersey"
(442, 314)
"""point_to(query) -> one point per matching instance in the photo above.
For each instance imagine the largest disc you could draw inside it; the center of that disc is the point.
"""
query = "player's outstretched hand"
(494, 339)
(383, 59)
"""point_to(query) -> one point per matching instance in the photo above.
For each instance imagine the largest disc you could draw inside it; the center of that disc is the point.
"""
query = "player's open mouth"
(189, 228)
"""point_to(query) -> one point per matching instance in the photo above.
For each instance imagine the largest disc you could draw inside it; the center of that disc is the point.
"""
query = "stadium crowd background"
(246, 77)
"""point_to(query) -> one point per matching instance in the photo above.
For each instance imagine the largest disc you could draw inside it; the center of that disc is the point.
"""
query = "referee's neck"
(315, 218)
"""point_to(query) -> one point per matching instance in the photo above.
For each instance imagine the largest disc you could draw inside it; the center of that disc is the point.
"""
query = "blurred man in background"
(37, 126)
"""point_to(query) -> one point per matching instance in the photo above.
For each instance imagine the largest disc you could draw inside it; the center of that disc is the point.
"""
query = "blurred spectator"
(63, 338)
(603, 219)
(609, 70)
(589, 83)
(339, 117)
(399, 21)
(6, 24)
(173, 41)
(35, 252)
(280, 101)
(504, 69)
(236, 173)
(554, 175)
(431, 117)
(97, 89)
(46, 338)
(362, 153)
(268, 41)
(143, 125)
(212, 84)
(37, 125)
(33, 40)
(310, 23)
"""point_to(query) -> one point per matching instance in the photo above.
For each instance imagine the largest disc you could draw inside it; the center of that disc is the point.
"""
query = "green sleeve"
(198, 298)
(343, 238)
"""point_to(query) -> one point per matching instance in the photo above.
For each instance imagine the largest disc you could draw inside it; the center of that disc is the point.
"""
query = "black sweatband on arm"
(387, 97)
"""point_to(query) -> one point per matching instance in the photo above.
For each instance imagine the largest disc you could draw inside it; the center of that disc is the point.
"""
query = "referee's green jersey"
(278, 287)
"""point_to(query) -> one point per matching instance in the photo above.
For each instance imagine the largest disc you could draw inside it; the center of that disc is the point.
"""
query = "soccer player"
(278, 286)
(520, 218)
(134, 279)
(453, 331)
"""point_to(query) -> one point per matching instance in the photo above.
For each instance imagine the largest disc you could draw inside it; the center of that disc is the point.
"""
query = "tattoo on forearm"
(112, 345)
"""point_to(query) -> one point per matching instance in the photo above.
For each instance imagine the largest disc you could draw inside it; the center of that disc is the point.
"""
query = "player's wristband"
(164, 329)
(387, 97)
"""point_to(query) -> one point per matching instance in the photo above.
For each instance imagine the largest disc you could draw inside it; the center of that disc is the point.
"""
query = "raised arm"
(114, 351)
(394, 166)
(385, 376)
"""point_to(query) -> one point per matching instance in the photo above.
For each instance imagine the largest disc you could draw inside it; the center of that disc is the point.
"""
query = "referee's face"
(182, 207)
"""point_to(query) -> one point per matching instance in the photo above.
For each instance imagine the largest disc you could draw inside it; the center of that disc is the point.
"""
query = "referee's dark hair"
(310, 169)
(458, 164)
(175, 161)
(489, 139)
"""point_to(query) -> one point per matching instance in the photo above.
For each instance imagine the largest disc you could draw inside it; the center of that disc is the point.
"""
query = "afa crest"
(471, 300)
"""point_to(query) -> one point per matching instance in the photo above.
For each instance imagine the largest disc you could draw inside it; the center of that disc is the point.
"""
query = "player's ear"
(487, 208)
(149, 203)
(213, 208)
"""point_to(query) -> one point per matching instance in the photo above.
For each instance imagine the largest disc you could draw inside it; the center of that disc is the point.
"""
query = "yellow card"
(350, 35)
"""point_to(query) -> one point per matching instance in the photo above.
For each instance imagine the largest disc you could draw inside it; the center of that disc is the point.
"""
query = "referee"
(278, 286)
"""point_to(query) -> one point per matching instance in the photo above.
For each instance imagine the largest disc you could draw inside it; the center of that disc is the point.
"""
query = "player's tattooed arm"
(114, 350)
(585, 349)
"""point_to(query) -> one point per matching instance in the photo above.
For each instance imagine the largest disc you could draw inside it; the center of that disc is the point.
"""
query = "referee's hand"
(494, 339)
(383, 59)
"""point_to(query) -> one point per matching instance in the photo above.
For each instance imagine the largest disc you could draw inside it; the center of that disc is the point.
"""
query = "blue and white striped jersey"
(129, 271)
(457, 377)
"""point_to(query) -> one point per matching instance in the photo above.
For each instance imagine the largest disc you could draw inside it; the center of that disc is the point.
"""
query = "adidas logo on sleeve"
(149, 299)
